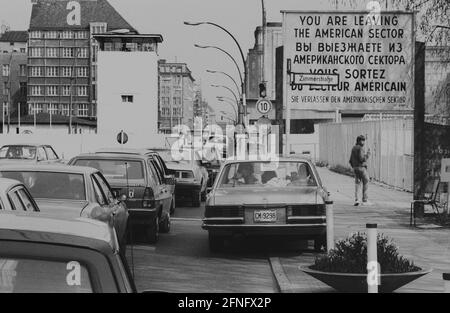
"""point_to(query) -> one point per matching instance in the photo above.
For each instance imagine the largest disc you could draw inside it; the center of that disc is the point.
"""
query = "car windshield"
(43, 276)
(115, 169)
(270, 174)
(18, 152)
(50, 185)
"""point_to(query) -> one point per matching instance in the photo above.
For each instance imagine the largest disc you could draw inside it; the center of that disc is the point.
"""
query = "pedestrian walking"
(358, 161)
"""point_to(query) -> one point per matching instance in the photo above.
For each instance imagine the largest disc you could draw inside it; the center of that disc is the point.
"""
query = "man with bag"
(358, 161)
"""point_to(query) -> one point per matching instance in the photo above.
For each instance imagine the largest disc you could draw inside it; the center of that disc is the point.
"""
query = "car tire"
(320, 244)
(153, 230)
(164, 227)
(197, 199)
(216, 243)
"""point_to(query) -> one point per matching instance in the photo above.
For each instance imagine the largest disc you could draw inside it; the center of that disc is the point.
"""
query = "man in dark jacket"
(358, 161)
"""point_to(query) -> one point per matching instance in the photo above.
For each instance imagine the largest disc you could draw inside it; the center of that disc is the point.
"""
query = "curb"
(283, 283)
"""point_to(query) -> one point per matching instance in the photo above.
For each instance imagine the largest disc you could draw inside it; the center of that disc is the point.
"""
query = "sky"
(166, 17)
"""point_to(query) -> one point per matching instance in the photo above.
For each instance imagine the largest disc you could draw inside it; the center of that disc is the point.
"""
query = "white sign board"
(264, 106)
(349, 60)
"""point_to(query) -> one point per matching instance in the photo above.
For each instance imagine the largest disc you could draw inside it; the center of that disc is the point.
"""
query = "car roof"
(6, 183)
(27, 144)
(111, 155)
(280, 159)
(30, 226)
(128, 151)
(58, 168)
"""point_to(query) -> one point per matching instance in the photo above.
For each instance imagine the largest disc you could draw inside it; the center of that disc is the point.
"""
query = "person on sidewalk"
(358, 161)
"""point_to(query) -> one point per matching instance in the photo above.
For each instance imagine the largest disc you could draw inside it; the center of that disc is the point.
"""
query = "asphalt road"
(181, 260)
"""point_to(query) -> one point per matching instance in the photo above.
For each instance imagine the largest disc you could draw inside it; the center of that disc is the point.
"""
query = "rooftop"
(14, 36)
(52, 15)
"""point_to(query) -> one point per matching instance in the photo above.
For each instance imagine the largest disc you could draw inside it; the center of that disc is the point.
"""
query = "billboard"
(349, 60)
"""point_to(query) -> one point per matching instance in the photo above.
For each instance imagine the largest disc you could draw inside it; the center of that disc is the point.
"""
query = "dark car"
(28, 153)
(71, 192)
(43, 254)
(257, 198)
(133, 176)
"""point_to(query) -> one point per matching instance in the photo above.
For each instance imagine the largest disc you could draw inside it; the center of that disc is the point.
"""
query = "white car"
(14, 196)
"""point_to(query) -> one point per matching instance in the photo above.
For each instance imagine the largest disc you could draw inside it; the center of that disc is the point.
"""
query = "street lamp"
(225, 115)
(227, 88)
(229, 55)
(229, 76)
(222, 99)
(244, 62)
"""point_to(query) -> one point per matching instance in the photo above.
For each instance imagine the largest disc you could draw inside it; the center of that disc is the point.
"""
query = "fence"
(390, 141)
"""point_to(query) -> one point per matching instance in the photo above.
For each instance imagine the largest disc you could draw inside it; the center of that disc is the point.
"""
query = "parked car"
(14, 196)
(257, 198)
(71, 192)
(133, 176)
(191, 176)
(41, 253)
(28, 153)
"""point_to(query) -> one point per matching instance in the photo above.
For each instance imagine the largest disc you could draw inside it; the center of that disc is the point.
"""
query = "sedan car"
(133, 175)
(191, 177)
(70, 192)
(14, 196)
(45, 254)
(256, 198)
(28, 153)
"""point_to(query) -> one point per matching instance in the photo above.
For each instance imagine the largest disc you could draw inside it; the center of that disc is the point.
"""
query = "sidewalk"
(428, 248)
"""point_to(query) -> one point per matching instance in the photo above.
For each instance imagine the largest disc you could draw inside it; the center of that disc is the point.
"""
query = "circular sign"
(122, 138)
(264, 106)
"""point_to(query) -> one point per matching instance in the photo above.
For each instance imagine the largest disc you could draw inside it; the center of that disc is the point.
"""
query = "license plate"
(266, 216)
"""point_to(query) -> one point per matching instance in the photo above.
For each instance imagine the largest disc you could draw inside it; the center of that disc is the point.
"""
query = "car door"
(118, 210)
(161, 166)
(163, 195)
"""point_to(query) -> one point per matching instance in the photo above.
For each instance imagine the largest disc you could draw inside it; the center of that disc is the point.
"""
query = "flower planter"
(357, 283)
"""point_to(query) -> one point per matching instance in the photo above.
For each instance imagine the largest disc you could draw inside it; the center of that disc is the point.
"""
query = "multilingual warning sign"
(349, 60)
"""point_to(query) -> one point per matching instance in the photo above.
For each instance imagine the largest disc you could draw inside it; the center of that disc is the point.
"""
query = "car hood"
(63, 208)
(251, 196)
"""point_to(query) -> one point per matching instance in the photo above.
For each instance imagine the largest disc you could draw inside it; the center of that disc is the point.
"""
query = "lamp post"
(227, 88)
(244, 62)
(225, 115)
(229, 76)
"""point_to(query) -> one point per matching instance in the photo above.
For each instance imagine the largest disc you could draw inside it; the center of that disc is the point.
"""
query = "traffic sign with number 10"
(264, 106)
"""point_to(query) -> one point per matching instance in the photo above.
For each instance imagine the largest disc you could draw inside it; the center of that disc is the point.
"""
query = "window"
(5, 69)
(52, 52)
(156, 175)
(81, 35)
(127, 99)
(82, 90)
(98, 28)
(36, 52)
(82, 72)
(51, 35)
(98, 192)
(36, 34)
(67, 34)
(5, 88)
(23, 70)
(67, 71)
(5, 108)
(65, 109)
(35, 108)
(115, 169)
(51, 153)
(65, 90)
(104, 187)
(35, 71)
(25, 199)
(52, 90)
(53, 108)
(83, 110)
(67, 53)
(52, 71)
(82, 52)
(23, 88)
(23, 50)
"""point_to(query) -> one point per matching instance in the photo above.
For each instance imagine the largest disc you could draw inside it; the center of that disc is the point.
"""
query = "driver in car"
(245, 174)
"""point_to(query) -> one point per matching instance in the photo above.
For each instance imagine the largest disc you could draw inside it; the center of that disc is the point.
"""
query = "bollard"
(446, 278)
(330, 225)
(372, 259)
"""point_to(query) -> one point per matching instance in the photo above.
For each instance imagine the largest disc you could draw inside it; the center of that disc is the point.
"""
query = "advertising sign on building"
(349, 60)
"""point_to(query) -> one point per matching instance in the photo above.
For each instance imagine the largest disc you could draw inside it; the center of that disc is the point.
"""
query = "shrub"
(321, 163)
(350, 256)
(342, 170)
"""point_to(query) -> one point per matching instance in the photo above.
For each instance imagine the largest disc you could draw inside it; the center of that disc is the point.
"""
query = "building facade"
(62, 58)
(176, 96)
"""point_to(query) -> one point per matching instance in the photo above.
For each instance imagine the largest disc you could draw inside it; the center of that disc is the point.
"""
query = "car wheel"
(216, 243)
(164, 227)
(153, 231)
(320, 244)
(197, 199)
